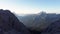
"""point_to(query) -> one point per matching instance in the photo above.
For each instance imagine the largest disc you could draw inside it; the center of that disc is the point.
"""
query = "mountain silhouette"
(9, 24)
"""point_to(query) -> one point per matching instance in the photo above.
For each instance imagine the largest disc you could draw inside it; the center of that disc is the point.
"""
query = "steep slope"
(9, 24)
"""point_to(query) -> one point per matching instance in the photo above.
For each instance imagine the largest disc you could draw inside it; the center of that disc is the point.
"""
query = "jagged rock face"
(53, 28)
(9, 24)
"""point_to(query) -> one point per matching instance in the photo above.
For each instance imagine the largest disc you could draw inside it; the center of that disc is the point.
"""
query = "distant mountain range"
(38, 21)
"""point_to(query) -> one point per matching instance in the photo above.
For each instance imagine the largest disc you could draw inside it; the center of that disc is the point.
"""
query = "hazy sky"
(31, 6)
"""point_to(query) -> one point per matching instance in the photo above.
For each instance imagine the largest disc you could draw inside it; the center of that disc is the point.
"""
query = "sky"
(31, 6)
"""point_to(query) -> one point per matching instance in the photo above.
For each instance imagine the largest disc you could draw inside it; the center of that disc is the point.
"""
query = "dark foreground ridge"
(9, 24)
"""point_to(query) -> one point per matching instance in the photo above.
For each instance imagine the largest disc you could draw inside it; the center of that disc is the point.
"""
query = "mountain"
(54, 27)
(9, 24)
(39, 21)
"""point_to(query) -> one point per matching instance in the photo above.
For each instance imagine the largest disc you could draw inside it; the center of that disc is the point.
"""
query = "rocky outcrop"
(9, 24)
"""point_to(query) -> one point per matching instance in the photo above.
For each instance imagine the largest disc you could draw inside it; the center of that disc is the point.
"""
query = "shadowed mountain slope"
(53, 28)
(9, 24)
